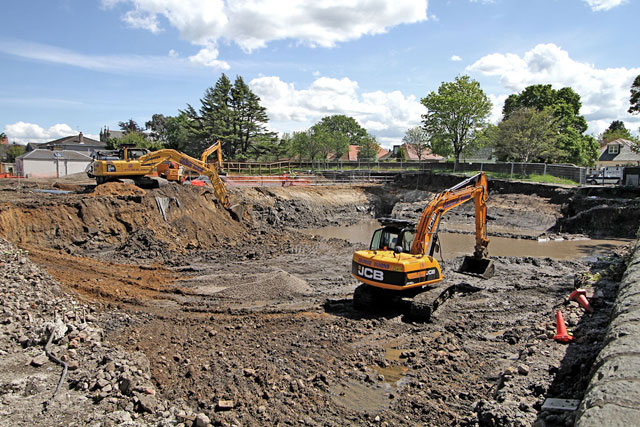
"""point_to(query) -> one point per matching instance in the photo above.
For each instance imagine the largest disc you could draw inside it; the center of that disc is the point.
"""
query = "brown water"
(456, 244)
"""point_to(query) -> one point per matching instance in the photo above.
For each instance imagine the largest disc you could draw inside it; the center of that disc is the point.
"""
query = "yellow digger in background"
(137, 164)
(400, 263)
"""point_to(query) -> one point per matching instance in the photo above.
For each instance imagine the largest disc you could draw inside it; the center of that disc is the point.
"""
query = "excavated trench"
(254, 311)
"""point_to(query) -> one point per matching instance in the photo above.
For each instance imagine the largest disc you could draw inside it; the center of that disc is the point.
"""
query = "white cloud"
(604, 92)
(387, 115)
(173, 53)
(136, 19)
(207, 57)
(455, 58)
(598, 5)
(23, 133)
(253, 24)
(125, 64)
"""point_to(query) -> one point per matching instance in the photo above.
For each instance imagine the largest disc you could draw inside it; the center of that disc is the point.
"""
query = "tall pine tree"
(232, 114)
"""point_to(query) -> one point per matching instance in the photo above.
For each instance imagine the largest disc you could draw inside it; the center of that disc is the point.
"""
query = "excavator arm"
(473, 188)
(153, 159)
(217, 146)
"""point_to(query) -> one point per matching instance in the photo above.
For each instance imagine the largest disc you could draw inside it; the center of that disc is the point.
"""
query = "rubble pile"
(101, 384)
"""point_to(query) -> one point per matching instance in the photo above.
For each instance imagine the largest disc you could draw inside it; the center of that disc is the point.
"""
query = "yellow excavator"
(137, 164)
(400, 263)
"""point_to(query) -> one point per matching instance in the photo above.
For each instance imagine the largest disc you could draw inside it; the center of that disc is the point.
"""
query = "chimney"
(81, 138)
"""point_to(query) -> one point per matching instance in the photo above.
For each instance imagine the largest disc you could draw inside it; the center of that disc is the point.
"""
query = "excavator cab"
(395, 235)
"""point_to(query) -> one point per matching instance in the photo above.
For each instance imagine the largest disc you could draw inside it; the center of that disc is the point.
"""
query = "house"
(43, 163)
(107, 133)
(79, 143)
(618, 153)
(352, 154)
(411, 154)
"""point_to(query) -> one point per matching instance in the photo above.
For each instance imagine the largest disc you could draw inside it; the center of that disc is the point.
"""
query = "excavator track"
(416, 305)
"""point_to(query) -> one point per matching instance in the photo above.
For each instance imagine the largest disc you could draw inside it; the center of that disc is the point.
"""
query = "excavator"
(400, 265)
(137, 164)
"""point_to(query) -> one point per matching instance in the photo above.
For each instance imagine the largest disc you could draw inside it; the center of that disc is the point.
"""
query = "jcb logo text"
(370, 273)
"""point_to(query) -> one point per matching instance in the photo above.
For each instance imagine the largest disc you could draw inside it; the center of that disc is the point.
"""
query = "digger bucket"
(480, 267)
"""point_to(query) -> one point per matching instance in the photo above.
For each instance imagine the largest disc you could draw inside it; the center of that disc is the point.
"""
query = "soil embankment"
(246, 321)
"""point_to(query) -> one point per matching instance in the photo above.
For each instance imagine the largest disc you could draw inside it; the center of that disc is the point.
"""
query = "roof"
(411, 154)
(352, 154)
(625, 153)
(41, 154)
(80, 141)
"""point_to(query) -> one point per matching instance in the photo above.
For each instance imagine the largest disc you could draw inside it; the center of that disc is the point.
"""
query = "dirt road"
(249, 321)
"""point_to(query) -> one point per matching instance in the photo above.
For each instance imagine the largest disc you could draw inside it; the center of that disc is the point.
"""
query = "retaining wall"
(613, 395)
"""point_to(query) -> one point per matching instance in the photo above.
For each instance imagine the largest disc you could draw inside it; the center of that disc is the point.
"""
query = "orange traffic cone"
(561, 329)
(580, 295)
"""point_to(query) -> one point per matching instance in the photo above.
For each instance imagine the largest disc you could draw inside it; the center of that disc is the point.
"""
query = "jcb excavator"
(400, 261)
(137, 163)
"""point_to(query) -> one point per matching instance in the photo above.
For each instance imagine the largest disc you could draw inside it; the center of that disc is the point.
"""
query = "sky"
(72, 66)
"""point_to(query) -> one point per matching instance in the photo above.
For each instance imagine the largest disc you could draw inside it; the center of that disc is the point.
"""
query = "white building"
(41, 163)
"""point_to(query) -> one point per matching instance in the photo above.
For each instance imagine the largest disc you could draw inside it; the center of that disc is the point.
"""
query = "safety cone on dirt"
(561, 329)
(580, 296)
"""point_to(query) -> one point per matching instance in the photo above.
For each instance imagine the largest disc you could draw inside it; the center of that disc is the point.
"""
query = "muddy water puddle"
(456, 244)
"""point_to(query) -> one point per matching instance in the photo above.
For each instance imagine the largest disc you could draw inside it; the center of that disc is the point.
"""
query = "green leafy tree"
(616, 130)
(136, 139)
(528, 135)
(340, 131)
(634, 100)
(401, 154)
(565, 106)
(455, 113)
(8, 153)
(340, 124)
(418, 138)
(369, 148)
(158, 127)
(129, 126)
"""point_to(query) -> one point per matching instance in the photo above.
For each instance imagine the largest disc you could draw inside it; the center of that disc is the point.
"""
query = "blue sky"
(78, 65)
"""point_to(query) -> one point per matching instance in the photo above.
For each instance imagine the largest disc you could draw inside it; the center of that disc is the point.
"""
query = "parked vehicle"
(611, 175)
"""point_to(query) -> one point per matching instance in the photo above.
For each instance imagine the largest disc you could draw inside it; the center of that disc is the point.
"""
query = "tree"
(616, 130)
(401, 154)
(634, 99)
(230, 113)
(8, 153)
(565, 106)
(419, 140)
(129, 126)
(158, 127)
(136, 139)
(528, 135)
(455, 113)
(346, 126)
(369, 148)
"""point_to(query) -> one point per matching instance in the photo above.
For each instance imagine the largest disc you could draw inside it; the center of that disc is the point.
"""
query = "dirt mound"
(68, 187)
(117, 189)
(249, 289)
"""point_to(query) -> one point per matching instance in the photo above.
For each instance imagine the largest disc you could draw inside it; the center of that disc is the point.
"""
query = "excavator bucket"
(480, 267)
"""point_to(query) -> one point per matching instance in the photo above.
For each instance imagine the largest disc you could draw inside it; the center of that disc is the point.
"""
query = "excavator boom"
(153, 159)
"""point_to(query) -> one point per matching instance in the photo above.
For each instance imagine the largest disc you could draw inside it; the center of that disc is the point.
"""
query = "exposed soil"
(247, 321)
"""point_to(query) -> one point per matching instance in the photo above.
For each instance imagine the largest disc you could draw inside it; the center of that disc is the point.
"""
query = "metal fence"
(511, 170)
